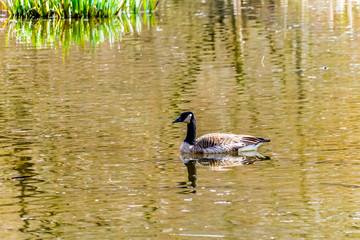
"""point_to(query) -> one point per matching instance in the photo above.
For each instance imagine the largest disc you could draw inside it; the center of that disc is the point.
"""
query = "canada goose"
(215, 142)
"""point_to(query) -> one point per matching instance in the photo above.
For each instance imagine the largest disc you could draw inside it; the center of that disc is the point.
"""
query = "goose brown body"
(215, 142)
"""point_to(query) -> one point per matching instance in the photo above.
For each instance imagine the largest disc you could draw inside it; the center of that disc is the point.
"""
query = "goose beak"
(177, 120)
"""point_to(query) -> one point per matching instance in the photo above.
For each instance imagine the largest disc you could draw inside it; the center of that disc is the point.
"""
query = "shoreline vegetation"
(76, 9)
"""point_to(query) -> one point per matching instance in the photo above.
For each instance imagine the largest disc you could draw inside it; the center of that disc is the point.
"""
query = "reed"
(78, 8)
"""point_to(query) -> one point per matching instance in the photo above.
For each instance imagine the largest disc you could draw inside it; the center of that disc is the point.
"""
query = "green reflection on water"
(56, 33)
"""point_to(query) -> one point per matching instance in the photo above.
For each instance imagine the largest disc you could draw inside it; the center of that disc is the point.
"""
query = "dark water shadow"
(25, 197)
(341, 185)
(215, 162)
(26, 188)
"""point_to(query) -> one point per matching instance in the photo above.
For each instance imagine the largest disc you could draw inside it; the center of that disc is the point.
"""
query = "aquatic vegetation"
(55, 33)
(78, 8)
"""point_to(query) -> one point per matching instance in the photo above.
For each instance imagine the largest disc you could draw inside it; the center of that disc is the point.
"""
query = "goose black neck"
(191, 131)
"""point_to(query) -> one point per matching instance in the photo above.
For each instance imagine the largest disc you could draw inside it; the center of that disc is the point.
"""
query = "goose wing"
(220, 142)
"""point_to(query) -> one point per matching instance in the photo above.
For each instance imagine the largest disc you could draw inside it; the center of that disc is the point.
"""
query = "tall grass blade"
(77, 8)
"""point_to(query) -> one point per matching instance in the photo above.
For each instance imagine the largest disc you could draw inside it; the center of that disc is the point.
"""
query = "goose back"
(222, 143)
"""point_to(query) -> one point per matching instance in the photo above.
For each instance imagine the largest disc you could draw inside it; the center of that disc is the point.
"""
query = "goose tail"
(261, 140)
(254, 147)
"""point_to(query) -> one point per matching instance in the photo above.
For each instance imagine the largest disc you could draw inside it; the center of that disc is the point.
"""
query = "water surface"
(88, 150)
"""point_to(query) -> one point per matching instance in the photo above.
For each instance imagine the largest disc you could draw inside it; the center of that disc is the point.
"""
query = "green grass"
(84, 33)
(78, 8)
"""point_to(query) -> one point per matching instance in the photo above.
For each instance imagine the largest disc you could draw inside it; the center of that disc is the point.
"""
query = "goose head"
(185, 117)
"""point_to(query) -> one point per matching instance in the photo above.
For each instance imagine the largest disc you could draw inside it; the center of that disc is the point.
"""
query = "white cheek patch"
(188, 118)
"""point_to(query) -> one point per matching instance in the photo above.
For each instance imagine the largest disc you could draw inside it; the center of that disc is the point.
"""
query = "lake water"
(88, 150)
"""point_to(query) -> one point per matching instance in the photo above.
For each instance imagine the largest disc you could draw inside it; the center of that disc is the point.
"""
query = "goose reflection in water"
(217, 162)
